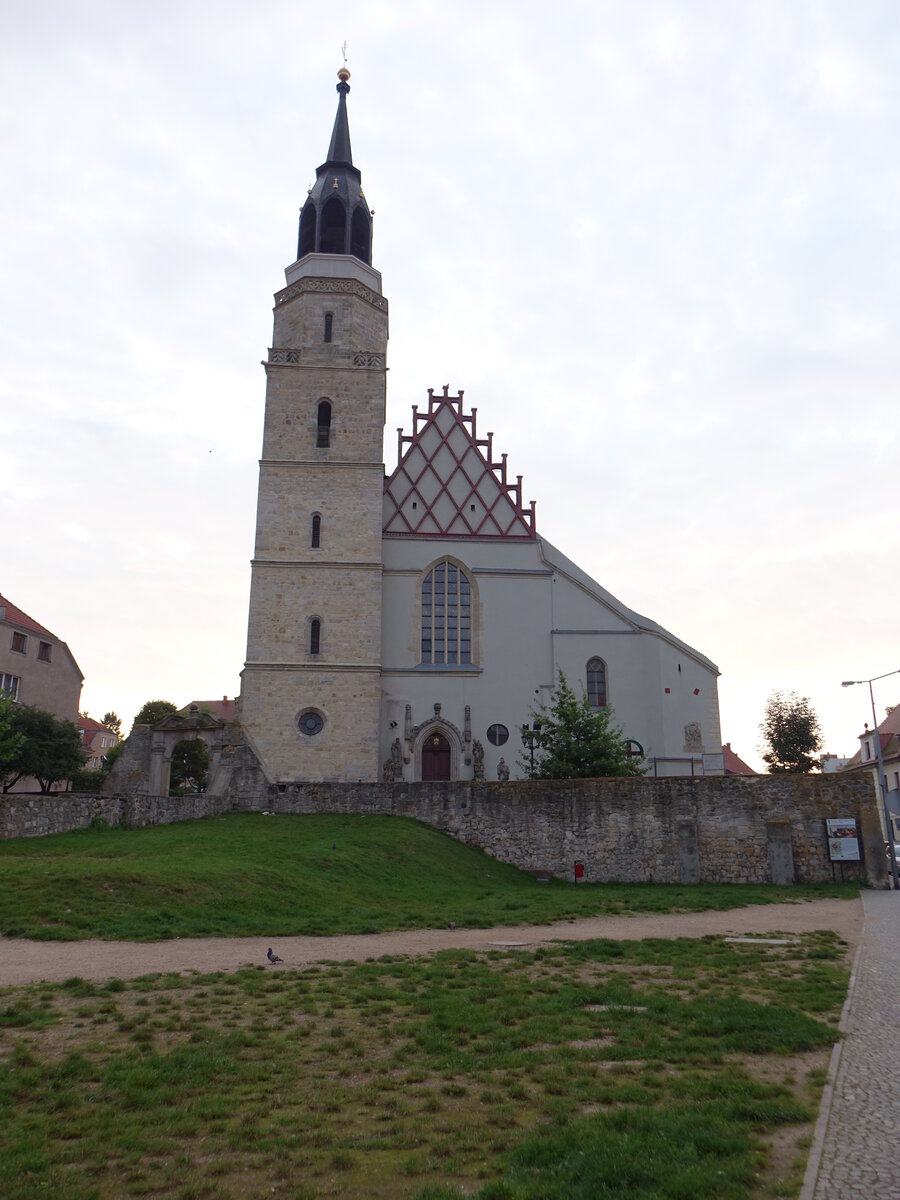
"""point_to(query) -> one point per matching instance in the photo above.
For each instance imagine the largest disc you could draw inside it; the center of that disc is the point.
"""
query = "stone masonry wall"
(724, 830)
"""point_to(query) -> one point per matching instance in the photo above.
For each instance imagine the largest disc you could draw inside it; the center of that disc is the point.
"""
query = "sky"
(654, 243)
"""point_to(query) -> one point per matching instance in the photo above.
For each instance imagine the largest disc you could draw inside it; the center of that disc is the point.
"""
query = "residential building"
(97, 740)
(37, 667)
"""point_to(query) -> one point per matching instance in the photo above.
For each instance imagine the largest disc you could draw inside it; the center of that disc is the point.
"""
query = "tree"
(575, 741)
(791, 731)
(10, 739)
(154, 711)
(112, 721)
(190, 767)
(50, 749)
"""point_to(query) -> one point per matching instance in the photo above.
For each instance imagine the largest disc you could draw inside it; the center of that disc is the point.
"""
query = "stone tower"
(311, 685)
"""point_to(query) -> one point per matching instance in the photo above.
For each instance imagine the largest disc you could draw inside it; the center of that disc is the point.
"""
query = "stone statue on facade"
(503, 771)
(478, 757)
(397, 758)
(387, 771)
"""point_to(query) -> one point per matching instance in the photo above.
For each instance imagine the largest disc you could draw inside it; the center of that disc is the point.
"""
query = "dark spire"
(339, 151)
(335, 218)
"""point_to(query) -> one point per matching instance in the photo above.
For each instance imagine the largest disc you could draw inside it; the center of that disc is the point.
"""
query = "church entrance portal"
(435, 758)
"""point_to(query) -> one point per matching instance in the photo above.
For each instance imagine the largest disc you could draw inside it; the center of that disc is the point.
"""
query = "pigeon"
(272, 956)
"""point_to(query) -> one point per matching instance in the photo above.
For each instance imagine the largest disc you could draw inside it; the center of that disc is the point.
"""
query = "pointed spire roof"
(339, 150)
(447, 483)
(336, 218)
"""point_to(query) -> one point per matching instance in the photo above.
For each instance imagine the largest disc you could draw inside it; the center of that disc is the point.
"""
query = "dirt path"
(27, 962)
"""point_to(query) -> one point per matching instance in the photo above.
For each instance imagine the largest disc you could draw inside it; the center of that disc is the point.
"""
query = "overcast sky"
(655, 243)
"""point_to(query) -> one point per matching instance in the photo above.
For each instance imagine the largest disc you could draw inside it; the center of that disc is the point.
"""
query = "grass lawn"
(249, 875)
(657, 1070)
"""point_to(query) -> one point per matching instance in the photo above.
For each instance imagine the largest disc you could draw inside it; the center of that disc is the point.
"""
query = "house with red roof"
(866, 758)
(96, 740)
(37, 667)
(735, 765)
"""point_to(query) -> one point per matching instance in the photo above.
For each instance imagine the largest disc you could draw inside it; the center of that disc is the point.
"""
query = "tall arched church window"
(329, 324)
(446, 615)
(315, 635)
(315, 540)
(323, 418)
(596, 683)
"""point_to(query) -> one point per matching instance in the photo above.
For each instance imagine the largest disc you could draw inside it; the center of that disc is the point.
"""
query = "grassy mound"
(252, 875)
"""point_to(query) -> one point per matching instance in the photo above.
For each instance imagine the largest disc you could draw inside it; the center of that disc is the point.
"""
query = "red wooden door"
(435, 758)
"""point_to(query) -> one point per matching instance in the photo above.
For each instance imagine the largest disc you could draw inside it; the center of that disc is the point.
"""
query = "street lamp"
(531, 738)
(884, 808)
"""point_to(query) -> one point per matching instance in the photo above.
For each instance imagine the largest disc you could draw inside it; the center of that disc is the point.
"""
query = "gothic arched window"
(360, 237)
(315, 540)
(329, 325)
(307, 243)
(323, 425)
(596, 683)
(333, 237)
(446, 615)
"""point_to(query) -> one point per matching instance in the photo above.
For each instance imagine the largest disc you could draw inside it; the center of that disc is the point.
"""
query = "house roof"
(11, 615)
(90, 728)
(734, 765)
(447, 482)
(889, 734)
(222, 709)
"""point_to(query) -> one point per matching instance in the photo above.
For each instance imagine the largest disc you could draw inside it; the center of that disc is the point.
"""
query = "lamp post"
(530, 739)
(877, 736)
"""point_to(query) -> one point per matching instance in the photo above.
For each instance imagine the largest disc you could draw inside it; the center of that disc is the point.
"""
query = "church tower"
(311, 685)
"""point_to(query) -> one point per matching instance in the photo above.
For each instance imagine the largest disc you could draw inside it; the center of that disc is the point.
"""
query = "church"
(404, 626)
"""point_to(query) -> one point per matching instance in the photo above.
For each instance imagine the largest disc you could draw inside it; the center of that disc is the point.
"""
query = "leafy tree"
(791, 731)
(575, 741)
(154, 711)
(10, 740)
(50, 749)
(190, 767)
(112, 721)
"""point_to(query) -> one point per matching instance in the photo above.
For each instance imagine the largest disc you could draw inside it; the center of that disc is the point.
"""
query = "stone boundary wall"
(711, 830)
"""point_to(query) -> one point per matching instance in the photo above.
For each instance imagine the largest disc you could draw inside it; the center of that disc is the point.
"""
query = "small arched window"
(315, 635)
(316, 538)
(323, 419)
(596, 683)
(329, 322)
(446, 615)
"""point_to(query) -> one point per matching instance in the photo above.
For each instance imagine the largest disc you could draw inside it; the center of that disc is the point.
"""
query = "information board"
(843, 844)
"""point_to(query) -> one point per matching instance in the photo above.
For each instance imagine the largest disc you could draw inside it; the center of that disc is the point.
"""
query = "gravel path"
(27, 962)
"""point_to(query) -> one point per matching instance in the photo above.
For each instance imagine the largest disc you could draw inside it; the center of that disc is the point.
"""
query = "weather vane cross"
(344, 52)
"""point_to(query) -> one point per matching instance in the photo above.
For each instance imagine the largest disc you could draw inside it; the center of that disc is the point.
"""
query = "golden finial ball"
(343, 74)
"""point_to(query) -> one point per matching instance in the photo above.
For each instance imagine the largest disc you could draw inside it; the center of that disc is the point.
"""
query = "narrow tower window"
(329, 321)
(316, 539)
(360, 235)
(596, 683)
(315, 635)
(323, 435)
(307, 242)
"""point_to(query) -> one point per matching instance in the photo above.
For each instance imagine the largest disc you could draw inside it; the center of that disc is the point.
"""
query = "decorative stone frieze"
(351, 286)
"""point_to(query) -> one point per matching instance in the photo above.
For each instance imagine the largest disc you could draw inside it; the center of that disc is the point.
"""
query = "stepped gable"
(447, 483)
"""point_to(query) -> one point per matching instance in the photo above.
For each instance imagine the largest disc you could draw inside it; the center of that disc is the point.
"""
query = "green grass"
(252, 875)
(500, 1076)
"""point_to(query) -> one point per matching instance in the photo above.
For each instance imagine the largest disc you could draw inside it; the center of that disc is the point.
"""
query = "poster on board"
(843, 844)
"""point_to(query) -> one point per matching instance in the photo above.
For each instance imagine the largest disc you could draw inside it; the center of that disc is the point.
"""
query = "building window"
(19, 642)
(329, 323)
(868, 746)
(446, 615)
(9, 687)
(311, 722)
(44, 651)
(497, 735)
(323, 422)
(316, 538)
(596, 683)
(315, 635)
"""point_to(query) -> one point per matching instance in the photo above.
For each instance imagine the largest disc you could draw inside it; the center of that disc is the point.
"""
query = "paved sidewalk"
(860, 1156)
